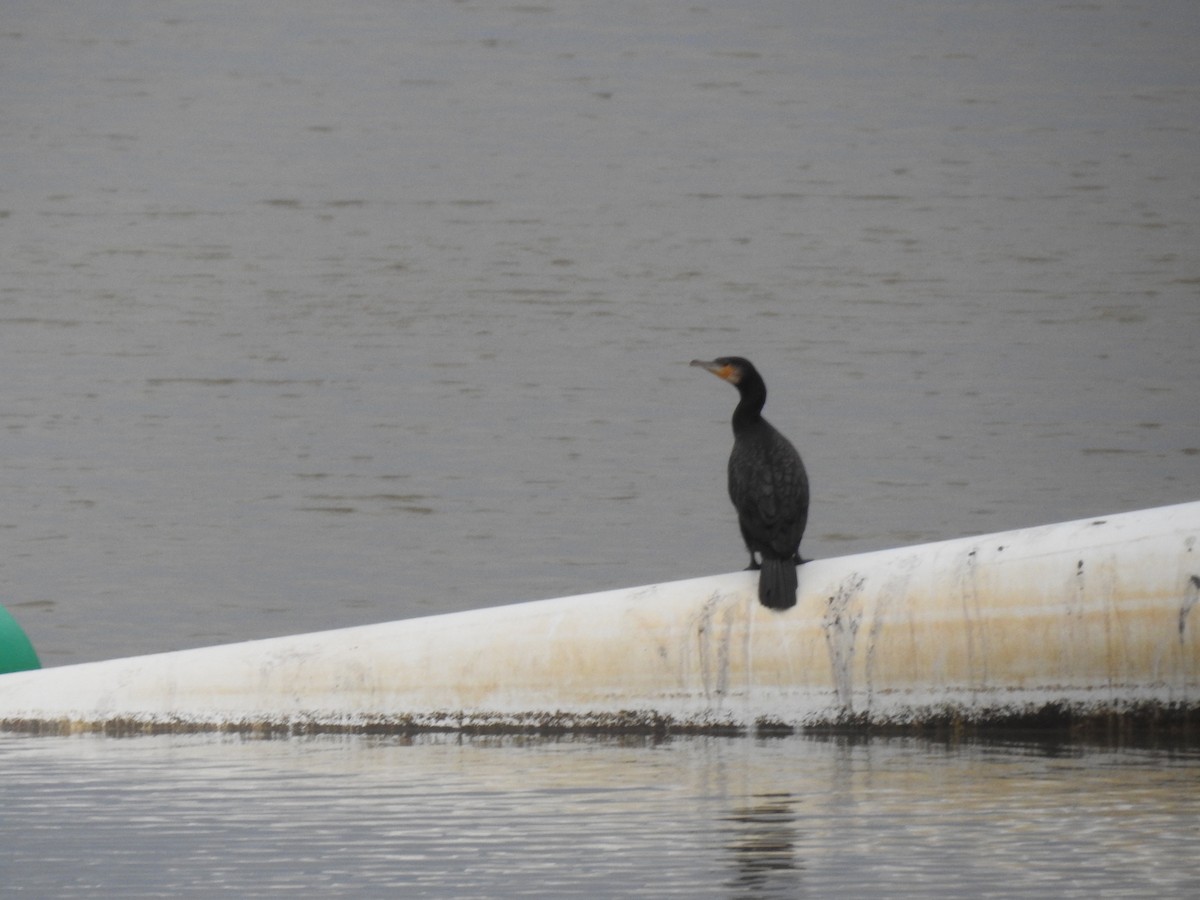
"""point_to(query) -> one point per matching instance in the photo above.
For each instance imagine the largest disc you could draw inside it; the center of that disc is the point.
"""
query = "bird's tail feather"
(777, 583)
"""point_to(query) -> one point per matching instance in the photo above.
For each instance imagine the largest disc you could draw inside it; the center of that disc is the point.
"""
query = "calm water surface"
(315, 315)
(450, 816)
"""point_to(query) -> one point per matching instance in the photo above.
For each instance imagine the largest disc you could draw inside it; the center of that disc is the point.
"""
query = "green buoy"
(16, 653)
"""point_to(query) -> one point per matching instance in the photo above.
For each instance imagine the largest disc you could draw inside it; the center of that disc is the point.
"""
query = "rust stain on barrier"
(712, 630)
(713, 672)
(843, 616)
(894, 591)
(1189, 601)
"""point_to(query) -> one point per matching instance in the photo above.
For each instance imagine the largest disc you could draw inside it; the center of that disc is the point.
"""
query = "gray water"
(713, 817)
(314, 315)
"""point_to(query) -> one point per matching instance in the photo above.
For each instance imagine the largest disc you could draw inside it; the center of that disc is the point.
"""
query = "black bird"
(767, 484)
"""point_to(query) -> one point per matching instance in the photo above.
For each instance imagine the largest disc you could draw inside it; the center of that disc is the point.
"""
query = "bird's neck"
(749, 408)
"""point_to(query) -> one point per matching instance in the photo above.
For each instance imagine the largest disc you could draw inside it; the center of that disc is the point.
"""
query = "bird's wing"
(770, 491)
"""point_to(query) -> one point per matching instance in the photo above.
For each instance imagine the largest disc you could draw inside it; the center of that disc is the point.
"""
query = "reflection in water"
(762, 844)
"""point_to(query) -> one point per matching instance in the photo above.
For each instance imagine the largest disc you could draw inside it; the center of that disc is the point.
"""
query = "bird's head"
(727, 368)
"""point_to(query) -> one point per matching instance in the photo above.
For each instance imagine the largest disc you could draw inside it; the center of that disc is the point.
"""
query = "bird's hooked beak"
(722, 370)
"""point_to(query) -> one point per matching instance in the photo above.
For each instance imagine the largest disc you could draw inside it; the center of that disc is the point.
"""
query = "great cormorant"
(767, 484)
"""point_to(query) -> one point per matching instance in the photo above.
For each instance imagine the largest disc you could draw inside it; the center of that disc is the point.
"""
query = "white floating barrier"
(1093, 617)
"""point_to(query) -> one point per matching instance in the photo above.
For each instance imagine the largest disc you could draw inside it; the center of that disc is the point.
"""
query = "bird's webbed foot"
(754, 565)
